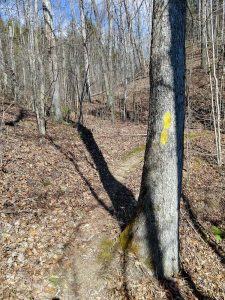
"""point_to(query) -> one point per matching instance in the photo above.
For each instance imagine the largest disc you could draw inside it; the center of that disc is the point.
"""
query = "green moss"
(46, 182)
(218, 233)
(125, 237)
(54, 280)
(136, 150)
(149, 263)
(134, 248)
(191, 135)
(198, 162)
(106, 251)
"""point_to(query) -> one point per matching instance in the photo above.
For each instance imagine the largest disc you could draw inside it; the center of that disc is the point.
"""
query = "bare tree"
(214, 73)
(85, 49)
(105, 60)
(155, 228)
(12, 60)
(4, 76)
(105, 70)
(203, 35)
(53, 61)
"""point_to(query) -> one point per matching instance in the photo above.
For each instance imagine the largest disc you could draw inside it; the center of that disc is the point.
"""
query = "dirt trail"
(128, 165)
(83, 275)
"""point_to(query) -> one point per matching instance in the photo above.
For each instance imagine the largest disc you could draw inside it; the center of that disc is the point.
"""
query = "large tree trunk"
(50, 37)
(3, 75)
(110, 58)
(13, 63)
(40, 88)
(35, 65)
(155, 228)
(85, 48)
(203, 35)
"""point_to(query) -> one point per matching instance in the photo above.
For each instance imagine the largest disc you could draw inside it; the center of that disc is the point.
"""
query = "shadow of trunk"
(123, 200)
(202, 232)
(22, 115)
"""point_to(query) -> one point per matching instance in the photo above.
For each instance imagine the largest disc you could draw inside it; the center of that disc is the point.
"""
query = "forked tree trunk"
(154, 230)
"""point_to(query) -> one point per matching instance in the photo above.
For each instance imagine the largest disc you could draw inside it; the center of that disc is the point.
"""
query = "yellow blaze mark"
(164, 137)
(167, 120)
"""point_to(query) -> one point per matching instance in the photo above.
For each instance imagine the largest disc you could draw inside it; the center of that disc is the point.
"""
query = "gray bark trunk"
(155, 228)
(86, 58)
(13, 63)
(110, 59)
(50, 37)
(40, 88)
(3, 69)
(35, 66)
(203, 35)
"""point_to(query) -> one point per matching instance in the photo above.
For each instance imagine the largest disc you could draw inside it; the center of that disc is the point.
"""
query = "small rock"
(21, 257)
(10, 261)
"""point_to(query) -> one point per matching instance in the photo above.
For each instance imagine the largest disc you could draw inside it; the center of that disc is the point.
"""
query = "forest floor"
(64, 200)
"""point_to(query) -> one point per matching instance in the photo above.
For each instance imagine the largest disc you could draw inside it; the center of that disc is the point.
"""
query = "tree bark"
(50, 37)
(35, 65)
(40, 88)
(203, 35)
(155, 228)
(110, 58)
(13, 63)
(4, 76)
(85, 48)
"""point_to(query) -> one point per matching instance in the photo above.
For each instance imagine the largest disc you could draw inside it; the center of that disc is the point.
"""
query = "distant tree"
(85, 50)
(53, 60)
(3, 74)
(155, 227)
(105, 67)
(203, 34)
(12, 60)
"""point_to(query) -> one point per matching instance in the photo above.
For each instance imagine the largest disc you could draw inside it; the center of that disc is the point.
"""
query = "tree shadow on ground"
(22, 115)
(187, 277)
(210, 158)
(123, 200)
(202, 231)
(123, 207)
(70, 157)
(172, 289)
